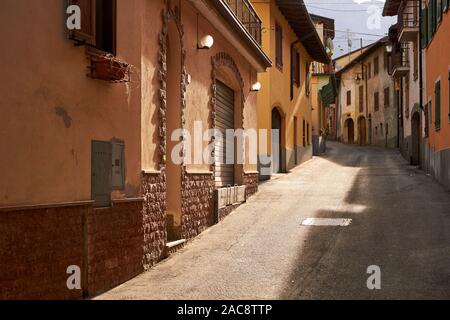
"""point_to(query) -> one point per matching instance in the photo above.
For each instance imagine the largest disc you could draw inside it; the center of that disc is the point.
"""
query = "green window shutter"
(437, 104)
(430, 21)
(438, 11)
(424, 27)
(434, 3)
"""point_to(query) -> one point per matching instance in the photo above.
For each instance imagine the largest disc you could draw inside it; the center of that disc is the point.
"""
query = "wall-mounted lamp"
(256, 87)
(206, 42)
(389, 47)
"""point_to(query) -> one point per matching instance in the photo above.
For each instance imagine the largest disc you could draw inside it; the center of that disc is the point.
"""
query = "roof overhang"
(297, 15)
(391, 7)
(357, 60)
(328, 23)
(223, 19)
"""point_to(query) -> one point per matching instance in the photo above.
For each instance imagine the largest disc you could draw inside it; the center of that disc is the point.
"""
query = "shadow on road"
(401, 223)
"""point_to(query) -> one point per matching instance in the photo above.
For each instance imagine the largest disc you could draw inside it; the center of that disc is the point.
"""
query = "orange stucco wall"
(47, 160)
(437, 68)
(45, 153)
(276, 82)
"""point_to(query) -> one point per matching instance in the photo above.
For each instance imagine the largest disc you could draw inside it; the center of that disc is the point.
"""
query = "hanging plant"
(109, 68)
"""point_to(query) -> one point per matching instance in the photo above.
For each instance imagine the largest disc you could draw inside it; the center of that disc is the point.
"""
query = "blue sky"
(353, 15)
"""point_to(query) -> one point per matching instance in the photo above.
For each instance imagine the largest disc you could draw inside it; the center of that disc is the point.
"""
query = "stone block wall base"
(197, 204)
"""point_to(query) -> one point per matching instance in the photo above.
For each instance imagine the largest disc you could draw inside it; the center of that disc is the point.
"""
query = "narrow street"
(400, 222)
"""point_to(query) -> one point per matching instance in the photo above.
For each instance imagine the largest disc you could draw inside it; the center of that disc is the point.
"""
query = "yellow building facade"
(284, 101)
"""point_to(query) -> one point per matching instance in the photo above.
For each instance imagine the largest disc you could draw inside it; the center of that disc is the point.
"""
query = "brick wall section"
(114, 242)
(197, 204)
(153, 218)
(37, 246)
(251, 180)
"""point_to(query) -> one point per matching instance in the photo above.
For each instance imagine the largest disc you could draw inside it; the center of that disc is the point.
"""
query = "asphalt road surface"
(400, 223)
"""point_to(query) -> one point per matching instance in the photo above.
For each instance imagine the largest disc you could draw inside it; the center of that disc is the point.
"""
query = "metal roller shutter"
(224, 175)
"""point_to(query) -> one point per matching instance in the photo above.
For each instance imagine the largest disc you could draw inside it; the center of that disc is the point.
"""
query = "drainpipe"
(420, 78)
(420, 57)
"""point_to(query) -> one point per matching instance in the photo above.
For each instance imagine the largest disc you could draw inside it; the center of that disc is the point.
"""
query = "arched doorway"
(350, 125)
(276, 141)
(415, 133)
(362, 131)
(173, 122)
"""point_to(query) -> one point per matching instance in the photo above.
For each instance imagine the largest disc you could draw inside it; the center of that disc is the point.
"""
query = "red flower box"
(109, 68)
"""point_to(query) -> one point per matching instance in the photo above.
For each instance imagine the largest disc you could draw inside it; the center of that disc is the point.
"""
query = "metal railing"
(245, 13)
(401, 56)
(409, 17)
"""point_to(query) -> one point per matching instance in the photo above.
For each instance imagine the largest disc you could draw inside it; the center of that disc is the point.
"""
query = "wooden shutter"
(375, 66)
(87, 32)
(361, 98)
(438, 11)
(430, 22)
(224, 173)
(386, 97)
(424, 27)
(437, 104)
(279, 45)
(376, 101)
(296, 66)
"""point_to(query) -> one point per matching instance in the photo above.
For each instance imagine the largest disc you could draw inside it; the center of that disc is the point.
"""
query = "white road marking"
(322, 222)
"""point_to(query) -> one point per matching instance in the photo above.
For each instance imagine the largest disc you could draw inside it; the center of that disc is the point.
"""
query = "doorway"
(350, 131)
(415, 135)
(276, 141)
(362, 131)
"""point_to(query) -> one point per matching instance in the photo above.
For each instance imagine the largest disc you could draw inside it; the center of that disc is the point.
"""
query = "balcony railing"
(401, 63)
(245, 13)
(409, 21)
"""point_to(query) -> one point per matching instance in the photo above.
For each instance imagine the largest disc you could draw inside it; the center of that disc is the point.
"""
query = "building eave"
(391, 7)
(255, 55)
(297, 15)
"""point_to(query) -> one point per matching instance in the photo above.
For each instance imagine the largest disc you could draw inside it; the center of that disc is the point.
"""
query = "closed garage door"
(224, 120)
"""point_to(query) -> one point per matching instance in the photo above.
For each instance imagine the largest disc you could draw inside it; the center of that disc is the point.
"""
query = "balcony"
(247, 15)
(401, 66)
(409, 22)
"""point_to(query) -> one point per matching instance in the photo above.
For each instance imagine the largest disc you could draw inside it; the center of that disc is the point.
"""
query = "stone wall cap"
(47, 206)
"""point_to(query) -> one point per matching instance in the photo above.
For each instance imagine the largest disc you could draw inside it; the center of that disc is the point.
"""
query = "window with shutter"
(361, 98)
(438, 11)
(307, 78)
(376, 101)
(375, 66)
(437, 105)
(386, 97)
(430, 22)
(87, 32)
(296, 66)
(279, 46)
(434, 3)
(424, 27)
(98, 23)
